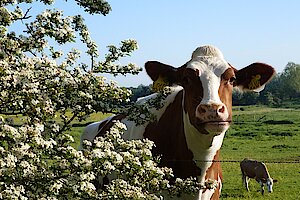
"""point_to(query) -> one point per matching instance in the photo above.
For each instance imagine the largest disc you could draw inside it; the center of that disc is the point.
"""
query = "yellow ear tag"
(159, 84)
(255, 82)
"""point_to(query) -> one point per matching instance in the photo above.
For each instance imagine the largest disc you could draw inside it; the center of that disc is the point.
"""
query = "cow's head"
(208, 81)
(269, 184)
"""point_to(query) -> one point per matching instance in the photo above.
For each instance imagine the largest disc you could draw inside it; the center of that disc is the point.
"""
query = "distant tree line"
(140, 91)
(284, 87)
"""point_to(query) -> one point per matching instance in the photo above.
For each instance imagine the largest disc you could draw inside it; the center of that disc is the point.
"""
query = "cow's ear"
(254, 77)
(161, 74)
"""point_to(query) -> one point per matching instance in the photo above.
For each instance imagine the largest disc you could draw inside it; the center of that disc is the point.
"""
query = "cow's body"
(258, 171)
(191, 125)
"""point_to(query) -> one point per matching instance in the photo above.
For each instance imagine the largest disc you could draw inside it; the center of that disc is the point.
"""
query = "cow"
(258, 171)
(190, 126)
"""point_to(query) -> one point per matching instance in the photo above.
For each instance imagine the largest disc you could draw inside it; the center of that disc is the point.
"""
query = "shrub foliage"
(51, 89)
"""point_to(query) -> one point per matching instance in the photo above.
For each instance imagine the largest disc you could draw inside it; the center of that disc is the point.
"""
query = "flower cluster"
(108, 66)
(142, 112)
(95, 6)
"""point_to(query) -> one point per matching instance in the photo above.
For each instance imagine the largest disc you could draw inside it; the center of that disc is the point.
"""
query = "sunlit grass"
(265, 134)
(258, 132)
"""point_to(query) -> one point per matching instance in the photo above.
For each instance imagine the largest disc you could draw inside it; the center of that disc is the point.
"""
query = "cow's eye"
(232, 80)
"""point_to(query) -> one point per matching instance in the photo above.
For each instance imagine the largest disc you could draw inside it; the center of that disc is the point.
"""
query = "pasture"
(266, 134)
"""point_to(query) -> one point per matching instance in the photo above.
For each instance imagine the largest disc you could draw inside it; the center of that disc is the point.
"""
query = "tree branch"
(25, 15)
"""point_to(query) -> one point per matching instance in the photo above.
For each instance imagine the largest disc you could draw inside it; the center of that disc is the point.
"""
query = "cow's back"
(248, 167)
(254, 169)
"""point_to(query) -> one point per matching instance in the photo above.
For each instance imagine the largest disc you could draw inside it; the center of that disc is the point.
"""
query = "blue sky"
(169, 30)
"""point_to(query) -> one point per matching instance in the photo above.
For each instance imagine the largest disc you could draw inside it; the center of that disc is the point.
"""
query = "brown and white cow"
(258, 171)
(190, 126)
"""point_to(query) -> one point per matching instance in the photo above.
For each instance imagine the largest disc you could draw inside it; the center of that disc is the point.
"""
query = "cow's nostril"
(222, 109)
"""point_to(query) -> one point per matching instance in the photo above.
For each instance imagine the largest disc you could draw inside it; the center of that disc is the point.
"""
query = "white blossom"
(56, 187)
(10, 161)
(88, 176)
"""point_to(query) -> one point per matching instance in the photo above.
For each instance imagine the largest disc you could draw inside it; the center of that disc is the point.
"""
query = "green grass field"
(266, 134)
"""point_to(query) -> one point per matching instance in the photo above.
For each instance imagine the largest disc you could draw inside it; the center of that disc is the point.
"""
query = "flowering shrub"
(51, 89)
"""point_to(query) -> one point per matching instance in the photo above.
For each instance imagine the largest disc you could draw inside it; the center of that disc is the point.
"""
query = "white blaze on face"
(269, 184)
(211, 84)
(210, 63)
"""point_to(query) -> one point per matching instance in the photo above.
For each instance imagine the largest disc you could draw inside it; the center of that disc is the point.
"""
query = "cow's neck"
(169, 138)
(265, 172)
(203, 146)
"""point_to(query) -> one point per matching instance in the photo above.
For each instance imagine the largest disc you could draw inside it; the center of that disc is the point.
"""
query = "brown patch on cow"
(193, 91)
(213, 173)
(107, 124)
(225, 90)
(193, 96)
(169, 138)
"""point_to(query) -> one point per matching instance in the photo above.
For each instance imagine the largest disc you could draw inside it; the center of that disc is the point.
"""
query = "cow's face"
(269, 184)
(208, 81)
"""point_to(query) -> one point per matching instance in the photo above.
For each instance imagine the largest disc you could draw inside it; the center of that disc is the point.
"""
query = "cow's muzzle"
(212, 112)
(213, 117)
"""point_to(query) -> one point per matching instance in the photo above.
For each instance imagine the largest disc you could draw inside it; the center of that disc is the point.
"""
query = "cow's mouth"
(213, 127)
(218, 123)
(216, 127)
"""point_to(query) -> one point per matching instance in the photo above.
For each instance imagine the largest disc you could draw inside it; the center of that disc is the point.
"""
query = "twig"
(25, 15)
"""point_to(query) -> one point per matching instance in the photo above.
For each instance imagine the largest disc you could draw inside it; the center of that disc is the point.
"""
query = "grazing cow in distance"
(189, 129)
(258, 171)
